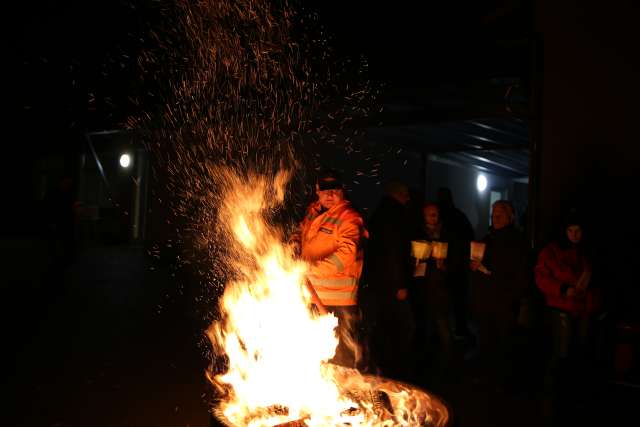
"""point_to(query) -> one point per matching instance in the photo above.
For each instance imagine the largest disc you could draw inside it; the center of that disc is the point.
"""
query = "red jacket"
(332, 243)
(557, 270)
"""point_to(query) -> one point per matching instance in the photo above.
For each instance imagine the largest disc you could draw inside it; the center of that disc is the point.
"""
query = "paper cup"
(420, 249)
(477, 251)
(420, 270)
(440, 250)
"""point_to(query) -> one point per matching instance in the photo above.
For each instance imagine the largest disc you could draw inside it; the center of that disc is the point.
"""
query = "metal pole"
(535, 132)
(100, 168)
(144, 177)
(139, 196)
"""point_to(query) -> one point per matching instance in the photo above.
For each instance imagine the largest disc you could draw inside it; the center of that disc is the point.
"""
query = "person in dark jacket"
(430, 281)
(499, 283)
(387, 274)
(460, 236)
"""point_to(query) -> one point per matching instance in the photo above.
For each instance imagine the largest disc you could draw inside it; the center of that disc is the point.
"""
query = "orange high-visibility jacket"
(332, 244)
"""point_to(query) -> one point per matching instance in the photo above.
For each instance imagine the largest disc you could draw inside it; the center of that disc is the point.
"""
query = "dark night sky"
(75, 60)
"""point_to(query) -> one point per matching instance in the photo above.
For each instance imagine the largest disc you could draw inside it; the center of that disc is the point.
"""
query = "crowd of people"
(426, 293)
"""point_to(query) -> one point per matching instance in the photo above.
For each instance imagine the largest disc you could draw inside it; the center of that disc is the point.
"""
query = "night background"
(540, 97)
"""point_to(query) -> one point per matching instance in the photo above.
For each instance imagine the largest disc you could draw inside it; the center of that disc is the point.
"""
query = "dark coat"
(459, 235)
(387, 267)
(436, 285)
(506, 256)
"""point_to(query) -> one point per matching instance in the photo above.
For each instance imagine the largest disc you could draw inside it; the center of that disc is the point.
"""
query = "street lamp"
(125, 160)
(481, 183)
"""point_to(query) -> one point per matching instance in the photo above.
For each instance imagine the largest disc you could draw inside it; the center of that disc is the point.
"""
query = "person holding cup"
(499, 282)
(431, 293)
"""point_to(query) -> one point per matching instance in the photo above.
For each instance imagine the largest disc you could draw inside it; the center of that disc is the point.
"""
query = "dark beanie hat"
(572, 217)
(329, 179)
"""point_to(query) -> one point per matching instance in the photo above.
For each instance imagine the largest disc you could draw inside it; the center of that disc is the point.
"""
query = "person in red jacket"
(564, 275)
(331, 240)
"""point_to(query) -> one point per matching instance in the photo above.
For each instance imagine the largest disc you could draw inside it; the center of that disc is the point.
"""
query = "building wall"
(589, 100)
(589, 91)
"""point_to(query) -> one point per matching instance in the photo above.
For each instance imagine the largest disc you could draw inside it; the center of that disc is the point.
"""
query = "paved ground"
(118, 348)
(122, 347)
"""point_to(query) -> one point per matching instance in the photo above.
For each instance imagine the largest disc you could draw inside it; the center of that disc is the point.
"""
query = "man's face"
(329, 198)
(431, 215)
(499, 217)
(574, 234)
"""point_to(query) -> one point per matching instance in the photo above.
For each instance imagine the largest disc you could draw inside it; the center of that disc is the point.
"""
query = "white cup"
(440, 250)
(477, 251)
(420, 249)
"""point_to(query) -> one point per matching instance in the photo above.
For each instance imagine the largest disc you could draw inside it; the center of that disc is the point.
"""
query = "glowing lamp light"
(481, 183)
(125, 160)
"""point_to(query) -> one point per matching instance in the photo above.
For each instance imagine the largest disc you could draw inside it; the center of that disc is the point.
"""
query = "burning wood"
(425, 410)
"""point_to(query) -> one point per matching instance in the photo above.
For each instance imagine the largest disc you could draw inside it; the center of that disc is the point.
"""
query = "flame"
(277, 347)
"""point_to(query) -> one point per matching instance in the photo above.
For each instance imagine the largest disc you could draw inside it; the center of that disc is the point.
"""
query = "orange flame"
(276, 346)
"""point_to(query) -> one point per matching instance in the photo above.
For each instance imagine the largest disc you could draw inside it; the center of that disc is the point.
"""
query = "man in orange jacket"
(331, 237)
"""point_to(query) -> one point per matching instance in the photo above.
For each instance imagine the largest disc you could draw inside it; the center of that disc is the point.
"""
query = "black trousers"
(348, 352)
(392, 340)
(458, 282)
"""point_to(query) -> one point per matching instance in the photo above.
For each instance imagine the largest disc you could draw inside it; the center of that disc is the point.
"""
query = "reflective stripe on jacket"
(332, 244)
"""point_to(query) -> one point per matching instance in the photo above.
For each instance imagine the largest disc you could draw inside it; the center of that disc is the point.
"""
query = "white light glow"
(481, 183)
(125, 160)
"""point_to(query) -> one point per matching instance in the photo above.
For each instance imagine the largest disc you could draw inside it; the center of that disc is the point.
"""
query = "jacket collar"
(315, 208)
